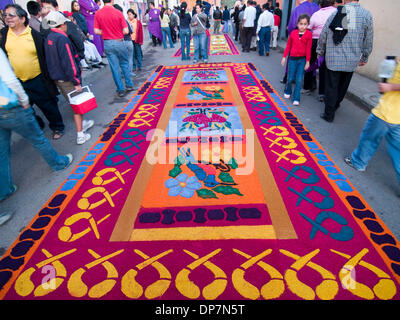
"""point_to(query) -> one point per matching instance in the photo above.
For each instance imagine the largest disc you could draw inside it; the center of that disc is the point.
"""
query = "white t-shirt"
(266, 19)
(249, 16)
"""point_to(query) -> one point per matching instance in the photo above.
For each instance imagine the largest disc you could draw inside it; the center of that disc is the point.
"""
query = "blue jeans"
(117, 56)
(23, 122)
(137, 55)
(265, 38)
(200, 46)
(374, 131)
(166, 31)
(185, 36)
(129, 48)
(295, 73)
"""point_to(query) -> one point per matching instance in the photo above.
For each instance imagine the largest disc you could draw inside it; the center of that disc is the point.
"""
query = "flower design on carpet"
(212, 176)
(182, 185)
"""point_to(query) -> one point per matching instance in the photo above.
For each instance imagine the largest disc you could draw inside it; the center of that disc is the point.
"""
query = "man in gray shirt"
(34, 11)
(346, 41)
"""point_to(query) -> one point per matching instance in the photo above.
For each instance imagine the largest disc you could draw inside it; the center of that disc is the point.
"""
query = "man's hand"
(387, 87)
(361, 64)
(307, 66)
(78, 88)
(283, 62)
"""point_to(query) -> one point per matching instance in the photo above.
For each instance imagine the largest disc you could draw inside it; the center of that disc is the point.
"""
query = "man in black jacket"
(24, 47)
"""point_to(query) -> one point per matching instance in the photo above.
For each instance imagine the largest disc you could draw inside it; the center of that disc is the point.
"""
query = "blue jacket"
(62, 58)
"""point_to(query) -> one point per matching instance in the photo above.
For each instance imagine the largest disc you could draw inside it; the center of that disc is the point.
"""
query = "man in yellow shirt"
(384, 121)
(24, 47)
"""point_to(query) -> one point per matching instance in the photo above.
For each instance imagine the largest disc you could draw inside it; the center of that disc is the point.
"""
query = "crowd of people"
(43, 55)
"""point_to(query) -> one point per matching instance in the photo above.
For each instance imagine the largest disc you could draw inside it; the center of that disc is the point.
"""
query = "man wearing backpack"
(217, 16)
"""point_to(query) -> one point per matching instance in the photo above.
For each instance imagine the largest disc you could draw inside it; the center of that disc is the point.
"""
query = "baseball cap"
(55, 19)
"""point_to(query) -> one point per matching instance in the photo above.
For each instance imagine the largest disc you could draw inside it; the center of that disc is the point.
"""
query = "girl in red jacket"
(299, 46)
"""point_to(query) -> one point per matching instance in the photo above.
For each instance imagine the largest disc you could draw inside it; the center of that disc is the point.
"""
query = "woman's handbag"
(8, 99)
(207, 32)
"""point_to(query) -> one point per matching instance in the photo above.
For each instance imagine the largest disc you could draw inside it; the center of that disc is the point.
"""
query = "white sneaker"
(87, 124)
(286, 96)
(81, 139)
(5, 216)
(296, 103)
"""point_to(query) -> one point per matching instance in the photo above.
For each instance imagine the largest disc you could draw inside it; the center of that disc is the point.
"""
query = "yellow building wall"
(386, 15)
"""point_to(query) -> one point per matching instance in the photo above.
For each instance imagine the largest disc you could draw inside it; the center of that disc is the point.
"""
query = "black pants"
(155, 40)
(310, 79)
(248, 33)
(38, 95)
(237, 29)
(173, 34)
(337, 83)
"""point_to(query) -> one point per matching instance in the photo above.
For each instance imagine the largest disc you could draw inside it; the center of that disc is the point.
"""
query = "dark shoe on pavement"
(325, 117)
(267, 54)
(350, 163)
(57, 134)
(129, 89)
(121, 94)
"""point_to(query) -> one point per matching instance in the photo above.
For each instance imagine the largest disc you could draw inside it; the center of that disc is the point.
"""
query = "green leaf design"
(233, 163)
(179, 160)
(206, 194)
(226, 190)
(226, 177)
(175, 171)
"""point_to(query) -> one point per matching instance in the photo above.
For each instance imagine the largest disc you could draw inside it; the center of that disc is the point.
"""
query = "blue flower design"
(182, 185)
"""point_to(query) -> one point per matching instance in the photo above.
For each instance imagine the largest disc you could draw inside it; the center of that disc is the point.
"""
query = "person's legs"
(344, 83)
(111, 52)
(171, 43)
(25, 125)
(123, 60)
(188, 37)
(183, 42)
(216, 26)
(204, 46)
(322, 76)
(138, 55)
(393, 145)
(39, 95)
(331, 93)
(164, 37)
(247, 38)
(129, 48)
(299, 79)
(261, 44)
(134, 56)
(6, 182)
(310, 81)
(275, 31)
(237, 30)
(196, 44)
(267, 40)
(374, 130)
(291, 76)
